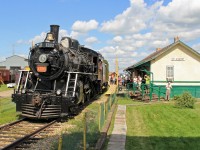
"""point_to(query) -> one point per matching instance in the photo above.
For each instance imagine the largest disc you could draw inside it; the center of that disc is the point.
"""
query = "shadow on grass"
(162, 143)
(74, 141)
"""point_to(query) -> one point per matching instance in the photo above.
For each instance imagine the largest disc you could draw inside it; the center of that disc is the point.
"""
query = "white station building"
(177, 63)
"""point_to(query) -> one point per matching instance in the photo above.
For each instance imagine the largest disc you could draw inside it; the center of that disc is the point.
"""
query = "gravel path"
(6, 93)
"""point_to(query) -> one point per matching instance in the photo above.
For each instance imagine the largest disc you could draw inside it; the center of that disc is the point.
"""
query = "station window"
(170, 73)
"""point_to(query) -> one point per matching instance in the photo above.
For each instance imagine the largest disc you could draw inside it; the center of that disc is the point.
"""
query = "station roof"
(159, 52)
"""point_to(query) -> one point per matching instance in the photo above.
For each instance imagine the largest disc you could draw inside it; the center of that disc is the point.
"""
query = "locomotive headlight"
(43, 58)
(58, 92)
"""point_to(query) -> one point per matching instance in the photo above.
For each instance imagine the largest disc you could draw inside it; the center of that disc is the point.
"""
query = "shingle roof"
(159, 52)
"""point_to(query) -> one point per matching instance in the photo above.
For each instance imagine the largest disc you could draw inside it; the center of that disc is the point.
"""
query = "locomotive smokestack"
(55, 31)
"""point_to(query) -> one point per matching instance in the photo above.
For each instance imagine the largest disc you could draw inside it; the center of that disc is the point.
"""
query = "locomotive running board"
(83, 73)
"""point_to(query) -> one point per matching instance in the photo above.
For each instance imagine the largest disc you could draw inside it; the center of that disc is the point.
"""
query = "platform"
(112, 89)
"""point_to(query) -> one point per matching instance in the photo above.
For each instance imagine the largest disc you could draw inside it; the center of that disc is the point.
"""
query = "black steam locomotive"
(62, 76)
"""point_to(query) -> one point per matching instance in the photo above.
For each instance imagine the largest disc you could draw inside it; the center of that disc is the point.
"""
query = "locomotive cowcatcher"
(63, 75)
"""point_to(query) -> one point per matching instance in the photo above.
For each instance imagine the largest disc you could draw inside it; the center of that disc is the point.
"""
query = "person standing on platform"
(147, 78)
(168, 91)
(139, 81)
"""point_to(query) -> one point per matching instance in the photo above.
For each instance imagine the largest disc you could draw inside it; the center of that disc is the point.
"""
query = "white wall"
(187, 69)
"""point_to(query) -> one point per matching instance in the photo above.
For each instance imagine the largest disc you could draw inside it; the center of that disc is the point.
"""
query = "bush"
(185, 100)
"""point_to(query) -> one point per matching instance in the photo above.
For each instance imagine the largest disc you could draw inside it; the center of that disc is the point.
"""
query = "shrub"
(185, 100)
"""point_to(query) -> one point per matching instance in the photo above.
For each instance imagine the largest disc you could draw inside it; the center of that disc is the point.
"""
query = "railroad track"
(21, 134)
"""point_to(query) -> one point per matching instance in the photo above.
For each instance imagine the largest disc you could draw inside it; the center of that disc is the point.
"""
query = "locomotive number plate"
(41, 68)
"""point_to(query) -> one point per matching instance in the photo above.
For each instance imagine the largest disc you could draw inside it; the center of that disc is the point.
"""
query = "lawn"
(73, 134)
(162, 126)
(7, 111)
(4, 88)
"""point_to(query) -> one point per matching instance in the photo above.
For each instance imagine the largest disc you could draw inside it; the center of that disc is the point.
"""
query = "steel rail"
(12, 123)
(21, 140)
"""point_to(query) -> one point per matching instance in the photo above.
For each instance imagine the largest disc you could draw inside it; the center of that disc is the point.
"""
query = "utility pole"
(116, 70)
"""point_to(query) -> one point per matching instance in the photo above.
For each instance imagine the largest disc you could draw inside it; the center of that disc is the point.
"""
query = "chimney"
(176, 39)
(157, 49)
(55, 31)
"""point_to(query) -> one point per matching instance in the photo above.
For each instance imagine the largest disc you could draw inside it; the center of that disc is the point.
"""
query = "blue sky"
(128, 29)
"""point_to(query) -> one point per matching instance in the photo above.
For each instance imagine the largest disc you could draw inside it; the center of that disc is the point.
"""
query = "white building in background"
(177, 63)
(14, 62)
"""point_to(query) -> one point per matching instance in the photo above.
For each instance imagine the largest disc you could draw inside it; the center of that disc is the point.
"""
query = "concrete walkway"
(118, 138)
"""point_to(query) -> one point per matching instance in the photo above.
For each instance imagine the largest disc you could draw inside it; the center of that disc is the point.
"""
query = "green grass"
(7, 111)
(162, 126)
(125, 100)
(4, 88)
(73, 136)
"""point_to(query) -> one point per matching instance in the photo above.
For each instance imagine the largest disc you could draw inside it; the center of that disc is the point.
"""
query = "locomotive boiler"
(63, 75)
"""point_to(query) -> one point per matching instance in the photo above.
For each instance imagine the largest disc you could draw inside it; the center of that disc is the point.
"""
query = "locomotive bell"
(49, 37)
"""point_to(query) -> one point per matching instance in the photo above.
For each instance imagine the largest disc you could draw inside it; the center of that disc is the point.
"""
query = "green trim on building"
(178, 81)
(177, 90)
(160, 90)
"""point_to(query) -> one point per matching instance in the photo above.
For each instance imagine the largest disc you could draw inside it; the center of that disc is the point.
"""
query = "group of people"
(121, 80)
(138, 81)
(112, 80)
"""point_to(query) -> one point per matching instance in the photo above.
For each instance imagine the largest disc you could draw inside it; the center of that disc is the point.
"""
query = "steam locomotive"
(62, 77)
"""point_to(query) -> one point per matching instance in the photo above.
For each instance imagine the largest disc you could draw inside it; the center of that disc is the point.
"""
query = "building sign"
(177, 59)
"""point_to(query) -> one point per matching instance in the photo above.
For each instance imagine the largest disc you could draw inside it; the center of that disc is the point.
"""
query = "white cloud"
(42, 36)
(117, 39)
(2, 58)
(181, 11)
(139, 30)
(38, 38)
(75, 35)
(62, 33)
(83, 26)
(91, 40)
(196, 47)
(160, 43)
(179, 17)
(143, 54)
(132, 20)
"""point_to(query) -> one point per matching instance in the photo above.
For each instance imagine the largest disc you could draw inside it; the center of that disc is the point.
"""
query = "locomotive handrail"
(67, 84)
(26, 79)
(76, 77)
(25, 70)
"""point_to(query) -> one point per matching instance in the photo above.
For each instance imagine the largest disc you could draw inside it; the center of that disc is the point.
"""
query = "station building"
(14, 63)
(177, 63)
